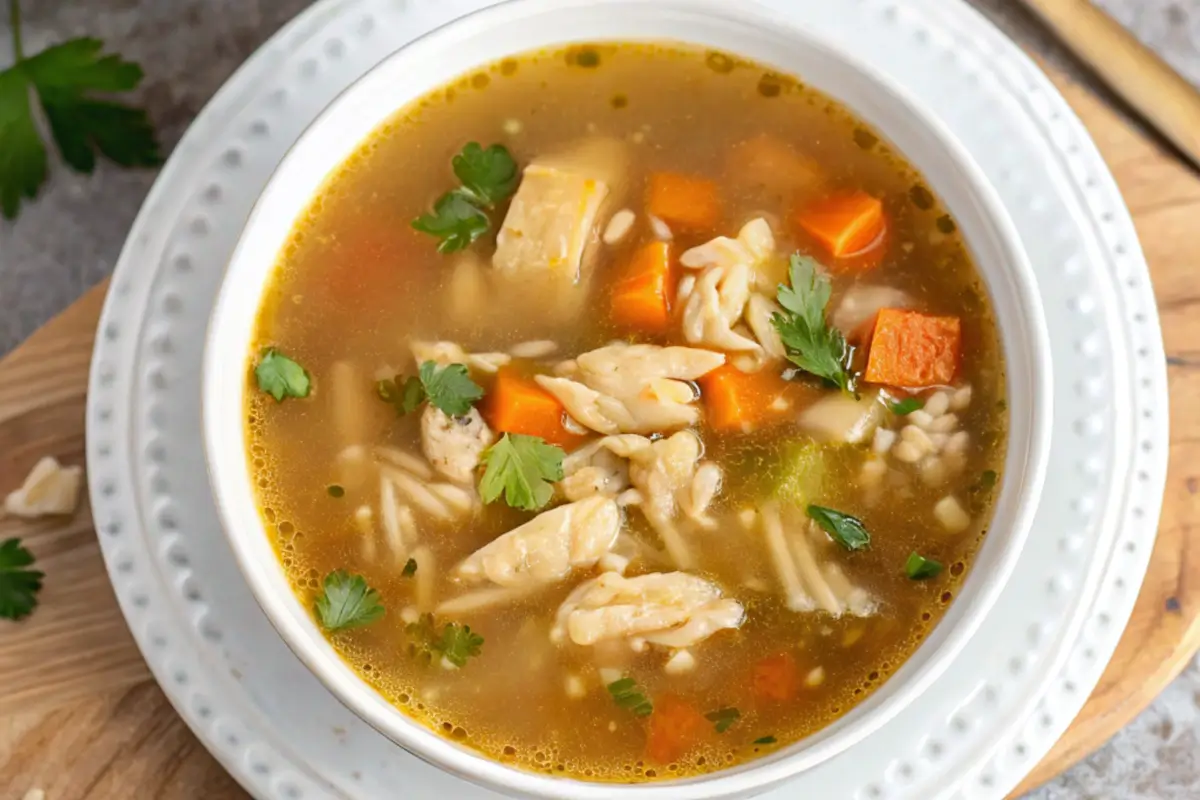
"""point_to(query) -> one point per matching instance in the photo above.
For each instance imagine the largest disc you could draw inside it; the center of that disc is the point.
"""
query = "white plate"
(1001, 704)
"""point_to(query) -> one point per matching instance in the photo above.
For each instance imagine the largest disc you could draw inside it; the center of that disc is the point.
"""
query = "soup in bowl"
(617, 405)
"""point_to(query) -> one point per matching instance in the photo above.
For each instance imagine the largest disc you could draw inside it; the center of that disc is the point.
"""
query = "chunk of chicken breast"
(454, 445)
(541, 247)
(671, 609)
(547, 548)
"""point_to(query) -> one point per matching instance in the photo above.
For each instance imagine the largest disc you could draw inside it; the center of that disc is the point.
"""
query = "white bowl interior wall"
(529, 25)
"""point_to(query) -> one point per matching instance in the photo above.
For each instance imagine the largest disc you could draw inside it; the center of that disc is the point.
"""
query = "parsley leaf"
(281, 377)
(987, 480)
(456, 220)
(347, 602)
(722, 719)
(812, 345)
(766, 740)
(22, 156)
(844, 529)
(626, 694)
(19, 585)
(488, 176)
(63, 77)
(902, 408)
(450, 388)
(410, 568)
(455, 643)
(522, 468)
(404, 394)
(918, 568)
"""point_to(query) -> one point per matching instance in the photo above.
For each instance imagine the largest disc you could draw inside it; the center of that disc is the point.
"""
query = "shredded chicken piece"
(667, 475)
(638, 388)
(810, 582)
(593, 470)
(50, 488)
(670, 609)
(715, 305)
(454, 445)
(547, 548)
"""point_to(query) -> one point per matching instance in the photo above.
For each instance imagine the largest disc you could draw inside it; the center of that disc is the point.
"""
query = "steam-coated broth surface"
(592, 489)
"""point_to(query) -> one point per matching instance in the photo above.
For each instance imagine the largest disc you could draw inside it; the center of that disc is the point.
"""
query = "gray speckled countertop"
(69, 239)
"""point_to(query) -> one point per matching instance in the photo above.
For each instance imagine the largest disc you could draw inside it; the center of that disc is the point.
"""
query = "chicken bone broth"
(625, 412)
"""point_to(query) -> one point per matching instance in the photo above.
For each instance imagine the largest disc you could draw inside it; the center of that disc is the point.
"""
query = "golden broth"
(356, 282)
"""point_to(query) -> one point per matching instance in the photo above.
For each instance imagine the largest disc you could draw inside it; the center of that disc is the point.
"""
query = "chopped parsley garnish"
(347, 602)
(489, 176)
(987, 480)
(19, 585)
(626, 694)
(456, 220)
(722, 719)
(335, 491)
(523, 469)
(403, 394)
(410, 568)
(919, 568)
(811, 343)
(902, 408)
(766, 740)
(64, 79)
(448, 388)
(455, 643)
(280, 376)
(846, 530)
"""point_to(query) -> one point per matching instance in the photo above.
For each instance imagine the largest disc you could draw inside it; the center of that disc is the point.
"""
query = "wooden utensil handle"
(1143, 79)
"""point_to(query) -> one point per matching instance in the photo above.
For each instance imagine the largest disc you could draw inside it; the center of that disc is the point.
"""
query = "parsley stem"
(14, 21)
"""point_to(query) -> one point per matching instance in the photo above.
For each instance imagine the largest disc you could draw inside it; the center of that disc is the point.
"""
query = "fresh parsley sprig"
(812, 344)
(64, 78)
(19, 585)
(626, 694)
(449, 388)
(523, 469)
(723, 718)
(489, 176)
(844, 529)
(347, 602)
(280, 376)
(456, 643)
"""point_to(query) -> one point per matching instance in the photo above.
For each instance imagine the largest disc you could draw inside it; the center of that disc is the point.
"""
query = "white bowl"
(742, 28)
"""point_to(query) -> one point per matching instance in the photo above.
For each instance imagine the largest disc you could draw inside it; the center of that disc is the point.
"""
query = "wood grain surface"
(81, 718)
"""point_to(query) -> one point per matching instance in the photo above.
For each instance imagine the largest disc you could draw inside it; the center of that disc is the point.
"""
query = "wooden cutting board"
(81, 718)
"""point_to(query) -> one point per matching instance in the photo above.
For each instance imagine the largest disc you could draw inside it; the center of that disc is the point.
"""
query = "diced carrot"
(851, 227)
(640, 300)
(743, 401)
(675, 728)
(516, 404)
(776, 678)
(912, 350)
(769, 162)
(683, 201)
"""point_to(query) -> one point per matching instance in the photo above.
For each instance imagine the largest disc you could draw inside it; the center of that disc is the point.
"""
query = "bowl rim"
(313, 649)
